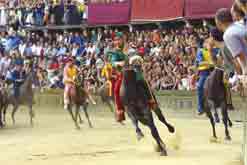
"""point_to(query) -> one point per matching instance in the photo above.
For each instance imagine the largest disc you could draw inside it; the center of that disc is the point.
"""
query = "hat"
(135, 60)
(119, 34)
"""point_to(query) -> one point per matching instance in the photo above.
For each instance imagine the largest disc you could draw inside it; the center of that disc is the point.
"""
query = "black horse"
(215, 97)
(138, 109)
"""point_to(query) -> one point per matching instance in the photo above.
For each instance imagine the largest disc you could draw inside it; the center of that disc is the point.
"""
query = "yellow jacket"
(107, 71)
(207, 61)
(70, 74)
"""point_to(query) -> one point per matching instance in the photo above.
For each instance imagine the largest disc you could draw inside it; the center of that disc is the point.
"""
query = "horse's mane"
(130, 85)
(28, 81)
(214, 86)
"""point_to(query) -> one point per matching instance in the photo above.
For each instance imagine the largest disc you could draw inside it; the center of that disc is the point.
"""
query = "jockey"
(137, 61)
(17, 77)
(205, 64)
(69, 75)
(117, 59)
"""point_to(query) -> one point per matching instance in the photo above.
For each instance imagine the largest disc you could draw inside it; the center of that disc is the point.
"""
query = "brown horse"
(78, 98)
(215, 97)
(26, 97)
(138, 109)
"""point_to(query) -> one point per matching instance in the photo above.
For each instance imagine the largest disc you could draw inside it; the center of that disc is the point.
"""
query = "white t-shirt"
(22, 48)
(235, 38)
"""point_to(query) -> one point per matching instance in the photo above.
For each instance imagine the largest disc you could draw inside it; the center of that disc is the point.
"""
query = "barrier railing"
(244, 152)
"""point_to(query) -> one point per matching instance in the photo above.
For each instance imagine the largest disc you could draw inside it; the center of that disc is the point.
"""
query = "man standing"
(235, 39)
(117, 59)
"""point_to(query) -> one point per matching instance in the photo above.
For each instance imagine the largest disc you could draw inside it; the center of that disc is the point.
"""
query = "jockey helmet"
(136, 60)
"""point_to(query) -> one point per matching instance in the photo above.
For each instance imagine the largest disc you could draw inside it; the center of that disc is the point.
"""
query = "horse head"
(31, 79)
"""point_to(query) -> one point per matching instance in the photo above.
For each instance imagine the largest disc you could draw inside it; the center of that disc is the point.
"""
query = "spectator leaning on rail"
(234, 38)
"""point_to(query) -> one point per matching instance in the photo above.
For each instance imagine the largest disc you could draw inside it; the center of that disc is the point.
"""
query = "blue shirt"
(62, 51)
(17, 75)
(77, 40)
(12, 43)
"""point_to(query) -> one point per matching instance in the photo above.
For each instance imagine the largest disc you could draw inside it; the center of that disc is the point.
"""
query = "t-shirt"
(235, 39)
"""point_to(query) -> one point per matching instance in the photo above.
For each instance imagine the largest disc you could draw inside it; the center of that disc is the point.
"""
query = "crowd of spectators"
(20, 13)
(169, 53)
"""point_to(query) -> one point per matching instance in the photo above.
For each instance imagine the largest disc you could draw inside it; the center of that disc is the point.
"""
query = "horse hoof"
(171, 129)
(164, 153)
(77, 127)
(140, 136)
(157, 148)
(228, 138)
(214, 140)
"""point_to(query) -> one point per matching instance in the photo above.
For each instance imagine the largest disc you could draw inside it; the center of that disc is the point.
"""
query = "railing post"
(245, 138)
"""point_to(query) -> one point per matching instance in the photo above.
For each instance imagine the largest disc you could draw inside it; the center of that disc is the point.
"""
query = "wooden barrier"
(169, 99)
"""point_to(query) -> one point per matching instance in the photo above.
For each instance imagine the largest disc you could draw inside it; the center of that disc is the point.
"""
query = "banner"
(108, 12)
(197, 9)
(156, 10)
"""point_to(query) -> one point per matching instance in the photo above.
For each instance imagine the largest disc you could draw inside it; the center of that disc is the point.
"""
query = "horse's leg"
(77, 113)
(80, 118)
(148, 120)
(208, 108)
(87, 116)
(225, 120)
(229, 121)
(71, 113)
(139, 133)
(162, 118)
(108, 103)
(1, 119)
(216, 116)
(15, 108)
(4, 113)
(31, 114)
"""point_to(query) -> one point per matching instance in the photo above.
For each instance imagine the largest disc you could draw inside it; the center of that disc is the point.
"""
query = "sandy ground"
(54, 140)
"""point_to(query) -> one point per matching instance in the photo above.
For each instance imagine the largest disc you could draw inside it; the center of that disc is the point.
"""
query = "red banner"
(196, 9)
(108, 12)
(156, 10)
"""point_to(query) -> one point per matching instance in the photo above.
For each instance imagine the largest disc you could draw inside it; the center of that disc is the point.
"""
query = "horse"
(78, 97)
(138, 110)
(215, 97)
(26, 97)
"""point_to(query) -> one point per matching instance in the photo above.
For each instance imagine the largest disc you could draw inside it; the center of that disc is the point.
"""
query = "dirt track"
(54, 140)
